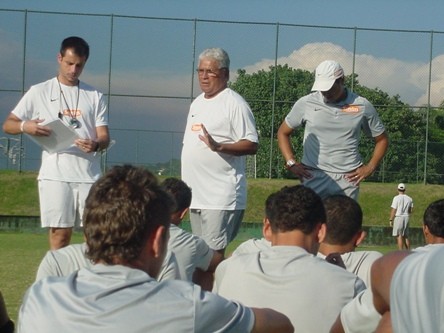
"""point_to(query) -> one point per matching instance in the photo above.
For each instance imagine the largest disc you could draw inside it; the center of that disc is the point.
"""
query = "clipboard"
(61, 138)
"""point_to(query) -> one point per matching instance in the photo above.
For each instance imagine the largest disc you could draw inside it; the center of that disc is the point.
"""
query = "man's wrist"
(290, 163)
(22, 126)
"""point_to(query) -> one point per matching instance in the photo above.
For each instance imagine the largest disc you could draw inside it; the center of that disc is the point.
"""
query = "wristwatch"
(291, 162)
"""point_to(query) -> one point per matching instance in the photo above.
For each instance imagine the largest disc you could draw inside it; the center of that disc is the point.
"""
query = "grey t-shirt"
(333, 131)
(70, 258)
(121, 299)
(288, 279)
(190, 250)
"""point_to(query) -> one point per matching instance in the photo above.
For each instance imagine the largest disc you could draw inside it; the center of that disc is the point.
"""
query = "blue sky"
(390, 14)
(160, 63)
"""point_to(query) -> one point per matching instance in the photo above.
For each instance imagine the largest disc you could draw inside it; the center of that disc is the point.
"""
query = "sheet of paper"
(61, 137)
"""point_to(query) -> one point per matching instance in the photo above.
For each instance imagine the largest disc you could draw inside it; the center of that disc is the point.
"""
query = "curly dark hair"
(294, 207)
(122, 209)
(434, 218)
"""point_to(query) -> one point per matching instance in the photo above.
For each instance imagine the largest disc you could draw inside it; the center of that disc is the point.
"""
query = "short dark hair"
(77, 44)
(294, 207)
(344, 219)
(122, 209)
(434, 218)
(180, 191)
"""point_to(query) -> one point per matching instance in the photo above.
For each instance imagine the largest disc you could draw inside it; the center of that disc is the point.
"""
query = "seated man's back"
(112, 297)
(358, 263)
(345, 234)
(190, 250)
(309, 290)
(195, 259)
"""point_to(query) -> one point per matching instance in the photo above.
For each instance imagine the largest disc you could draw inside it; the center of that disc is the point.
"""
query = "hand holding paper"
(35, 127)
(60, 136)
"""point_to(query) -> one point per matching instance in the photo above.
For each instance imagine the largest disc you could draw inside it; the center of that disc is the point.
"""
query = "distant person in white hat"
(333, 118)
(401, 208)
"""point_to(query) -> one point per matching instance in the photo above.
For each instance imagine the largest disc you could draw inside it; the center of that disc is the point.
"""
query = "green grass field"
(18, 196)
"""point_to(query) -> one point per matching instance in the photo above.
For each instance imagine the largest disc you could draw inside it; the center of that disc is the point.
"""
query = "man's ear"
(266, 229)
(425, 231)
(183, 213)
(322, 232)
(360, 237)
(159, 240)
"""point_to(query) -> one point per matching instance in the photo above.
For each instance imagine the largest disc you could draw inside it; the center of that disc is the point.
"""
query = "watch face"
(290, 163)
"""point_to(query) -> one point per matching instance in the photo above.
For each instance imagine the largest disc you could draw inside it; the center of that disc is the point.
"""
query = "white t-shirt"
(190, 250)
(402, 203)
(252, 245)
(121, 299)
(217, 180)
(309, 290)
(45, 101)
(417, 292)
(359, 263)
(360, 315)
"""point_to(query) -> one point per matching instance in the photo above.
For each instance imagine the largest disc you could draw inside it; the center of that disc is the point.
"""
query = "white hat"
(326, 74)
(401, 187)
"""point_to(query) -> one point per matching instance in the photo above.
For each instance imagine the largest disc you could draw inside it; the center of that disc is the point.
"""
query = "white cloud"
(394, 76)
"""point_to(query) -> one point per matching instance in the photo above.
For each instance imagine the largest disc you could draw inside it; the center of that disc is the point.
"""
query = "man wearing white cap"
(333, 117)
(401, 208)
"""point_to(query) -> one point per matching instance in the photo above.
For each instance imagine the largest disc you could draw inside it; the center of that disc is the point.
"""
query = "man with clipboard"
(69, 163)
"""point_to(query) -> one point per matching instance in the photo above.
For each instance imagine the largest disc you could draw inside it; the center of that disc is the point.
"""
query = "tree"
(271, 94)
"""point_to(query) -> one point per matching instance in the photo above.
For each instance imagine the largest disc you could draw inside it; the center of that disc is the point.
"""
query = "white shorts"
(401, 226)
(217, 227)
(62, 203)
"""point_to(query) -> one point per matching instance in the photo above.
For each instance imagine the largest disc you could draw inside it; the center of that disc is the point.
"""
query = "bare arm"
(242, 147)
(337, 326)
(205, 279)
(392, 215)
(283, 136)
(385, 324)
(366, 170)
(14, 125)
(381, 274)
(268, 320)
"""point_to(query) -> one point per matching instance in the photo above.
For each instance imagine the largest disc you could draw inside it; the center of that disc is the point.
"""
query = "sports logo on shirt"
(351, 108)
(196, 127)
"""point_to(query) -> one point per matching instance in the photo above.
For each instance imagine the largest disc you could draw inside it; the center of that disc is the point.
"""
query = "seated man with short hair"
(195, 259)
(288, 277)
(345, 234)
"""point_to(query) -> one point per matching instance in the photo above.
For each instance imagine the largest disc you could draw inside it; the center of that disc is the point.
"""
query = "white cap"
(326, 74)
(401, 187)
